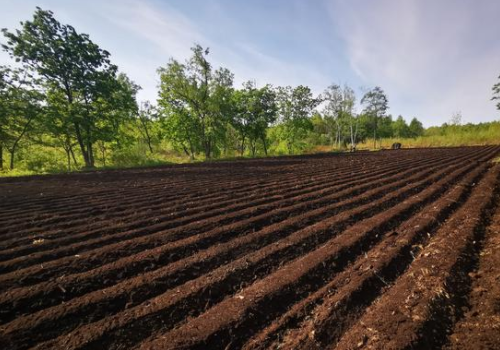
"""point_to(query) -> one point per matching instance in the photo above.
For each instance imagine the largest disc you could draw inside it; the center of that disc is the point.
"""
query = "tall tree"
(70, 62)
(58, 126)
(20, 107)
(113, 112)
(375, 106)
(254, 111)
(456, 118)
(332, 112)
(295, 107)
(195, 100)
(385, 127)
(416, 128)
(400, 128)
(496, 93)
(3, 110)
(348, 101)
(146, 119)
(339, 113)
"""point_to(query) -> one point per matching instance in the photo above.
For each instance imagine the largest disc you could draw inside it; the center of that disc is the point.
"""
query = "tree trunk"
(186, 150)
(12, 153)
(82, 146)
(68, 156)
(91, 154)
(148, 139)
(208, 151)
(102, 147)
(253, 146)
(265, 145)
(149, 145)
(90, 149)
(352, 137)
(242, 149)
(339, 138)
(73, 156)
(374, 138)
(1, 157)
(191, 156)
(13, 149)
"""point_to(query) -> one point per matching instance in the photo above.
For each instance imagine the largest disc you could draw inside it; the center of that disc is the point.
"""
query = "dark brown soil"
(480, 326)
(386, 250)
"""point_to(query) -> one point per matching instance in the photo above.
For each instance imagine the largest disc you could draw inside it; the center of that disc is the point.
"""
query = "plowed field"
(381, 250)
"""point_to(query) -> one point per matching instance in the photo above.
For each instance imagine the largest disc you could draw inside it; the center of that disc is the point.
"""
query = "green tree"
(70, 62)
(496, 93)
(3, 111)
(254, 111)
(456, 119)
(320, 133)
(375, 104)
(416, 128)
(19, 111)
(196, 102)
(385, 128)
(295, 107)
(58, 126)
(339, 114)
(146, 121)
(348, 101)
(332, 112)
(113, 112)
(109, 115)
(400, 128)
(242, 114)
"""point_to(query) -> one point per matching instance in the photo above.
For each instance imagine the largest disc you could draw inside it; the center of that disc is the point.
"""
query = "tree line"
(64, 93)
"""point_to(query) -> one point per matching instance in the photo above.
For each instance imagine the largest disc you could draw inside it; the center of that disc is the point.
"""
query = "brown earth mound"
(383, 250)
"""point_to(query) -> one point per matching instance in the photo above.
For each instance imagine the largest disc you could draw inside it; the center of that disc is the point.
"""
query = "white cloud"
(166, 27)
(249, 63)
(158, 34)
(168, 33)
(432, 57)
(423, 54)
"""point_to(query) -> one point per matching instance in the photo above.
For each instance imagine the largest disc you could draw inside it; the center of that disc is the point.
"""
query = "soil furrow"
(50, 293)
(44, 271)
(322, 318)
(423, 303)
(480, 326)
(392, 249)
(207, 211)
(229, 323)
(233, 275)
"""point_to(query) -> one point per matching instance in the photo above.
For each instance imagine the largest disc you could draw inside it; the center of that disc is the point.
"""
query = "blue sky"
(432, 57)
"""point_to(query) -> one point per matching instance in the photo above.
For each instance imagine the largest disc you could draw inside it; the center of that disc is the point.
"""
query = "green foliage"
(196, 103)
(295, 107)
(67, 107)
(400, 128)
(375, 104)
(147, 124)
(416, 128)
(385, 127)
(20, 109)
(340, 121)
(89, 97)
(450, 136)
(496, 93)
(254, 110)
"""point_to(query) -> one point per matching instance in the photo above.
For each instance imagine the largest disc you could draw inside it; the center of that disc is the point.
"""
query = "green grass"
(36, 160)
(17, 172)
(435, 141)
